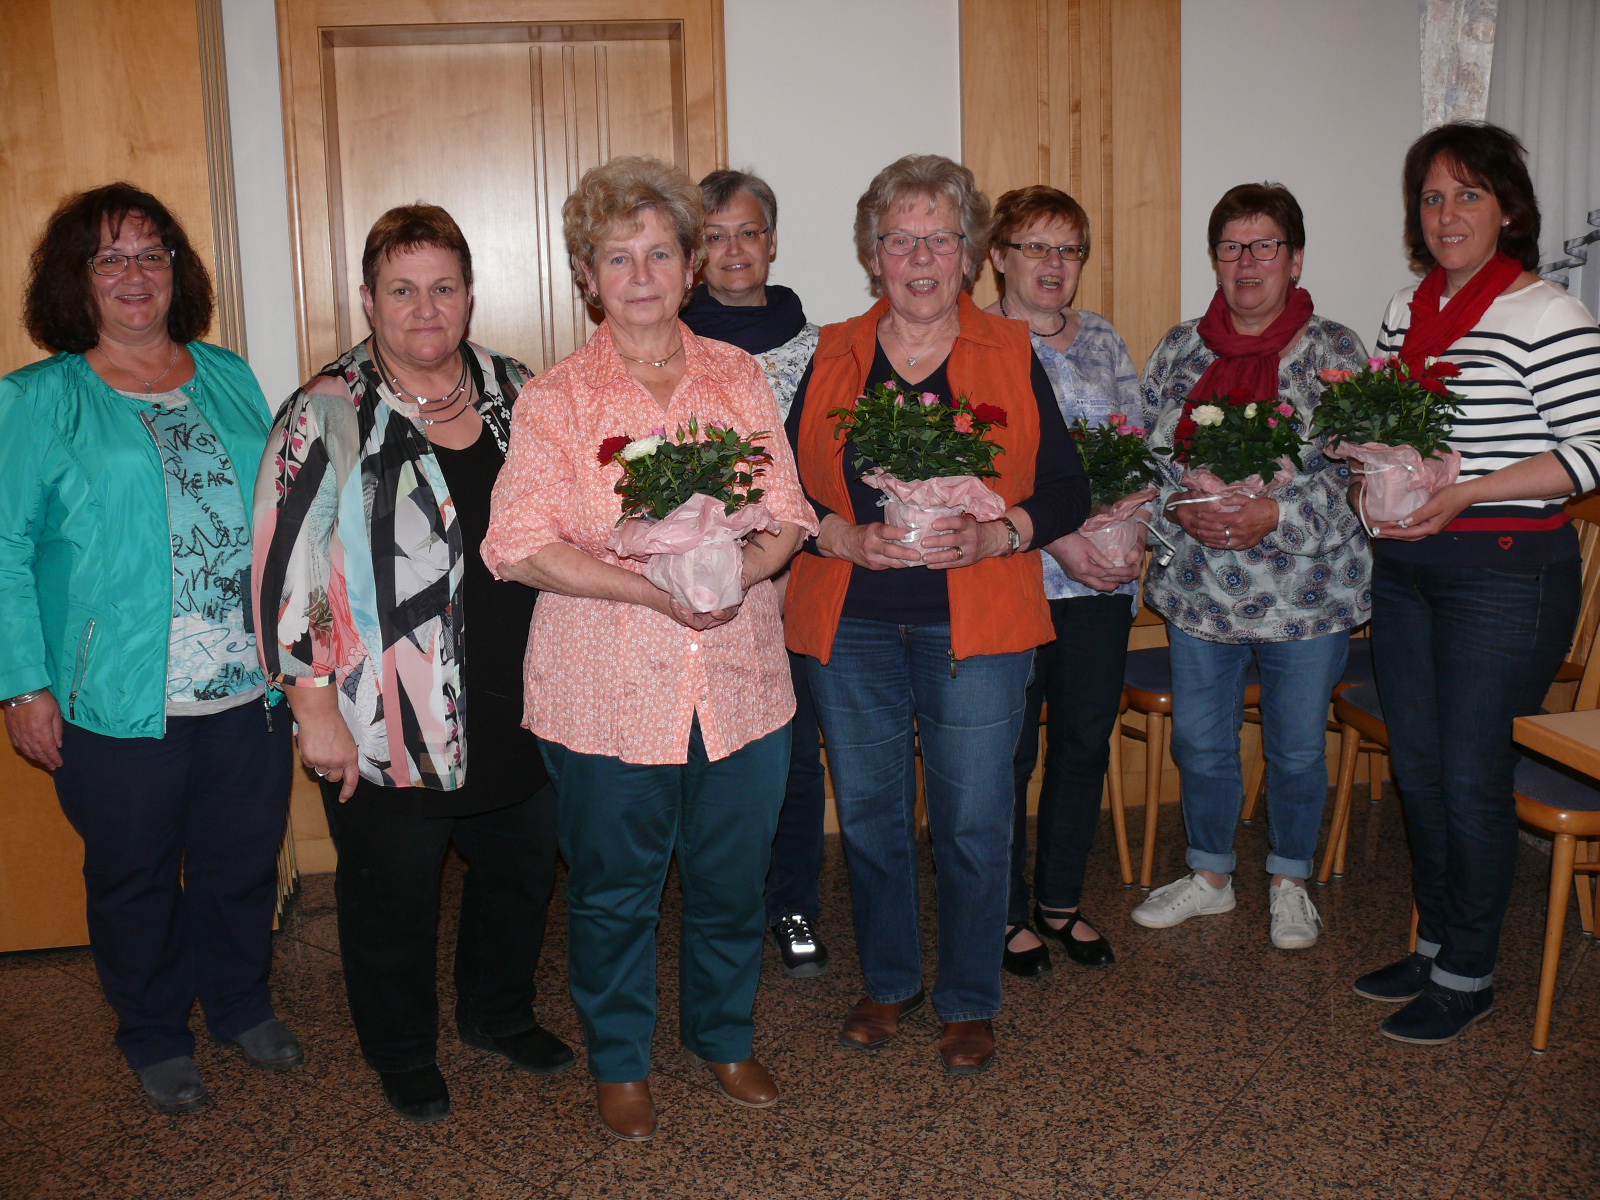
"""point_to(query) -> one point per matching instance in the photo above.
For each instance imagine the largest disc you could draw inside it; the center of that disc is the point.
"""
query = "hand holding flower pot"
(1121, 469)
(1236, 448)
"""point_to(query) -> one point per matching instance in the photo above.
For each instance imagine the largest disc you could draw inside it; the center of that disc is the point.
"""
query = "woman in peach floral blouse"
(665, 731)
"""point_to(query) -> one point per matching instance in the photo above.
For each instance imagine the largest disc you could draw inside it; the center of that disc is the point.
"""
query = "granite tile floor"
(1205, 1064)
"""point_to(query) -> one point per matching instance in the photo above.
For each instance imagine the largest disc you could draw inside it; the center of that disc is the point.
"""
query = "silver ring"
(323, 774)
(1404, 522)
(1227, 530)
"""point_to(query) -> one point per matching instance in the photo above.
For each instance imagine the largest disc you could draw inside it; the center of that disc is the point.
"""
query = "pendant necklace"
(149, 385)
(911, 360)
(461, 391)
(650, 362)
(1031, 329)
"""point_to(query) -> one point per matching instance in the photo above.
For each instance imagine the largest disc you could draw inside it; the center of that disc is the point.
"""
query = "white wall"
(1323, 98)
(822, 94)
(250, 44)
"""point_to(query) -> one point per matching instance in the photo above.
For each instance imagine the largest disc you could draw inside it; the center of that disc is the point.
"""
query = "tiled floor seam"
(1505, 1099)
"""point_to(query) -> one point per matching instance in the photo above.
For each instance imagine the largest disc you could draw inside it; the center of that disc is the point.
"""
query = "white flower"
(645, 445)
(1206, 414)
(1249, 410)
(1427, 363)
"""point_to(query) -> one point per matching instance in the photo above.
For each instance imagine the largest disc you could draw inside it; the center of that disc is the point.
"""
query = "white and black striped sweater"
(1529, 383)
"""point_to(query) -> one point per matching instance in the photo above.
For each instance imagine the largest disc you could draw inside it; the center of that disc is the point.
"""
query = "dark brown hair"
(1257, 200)
(1020, 207)
(1483, 156)
(407, 228)
(59, 308)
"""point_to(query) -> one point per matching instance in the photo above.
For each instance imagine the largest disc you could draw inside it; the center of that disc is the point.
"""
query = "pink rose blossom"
(963, 422)
(1117, 419)
(1272, 422)
(1335, 375)
(929, 399)
(1130, 430)
(1375, 363)
(889, 385)
(1285, 410)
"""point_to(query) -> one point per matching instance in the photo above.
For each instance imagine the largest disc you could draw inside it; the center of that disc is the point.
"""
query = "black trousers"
(387, 887)
(180, 852)
(1080, 675)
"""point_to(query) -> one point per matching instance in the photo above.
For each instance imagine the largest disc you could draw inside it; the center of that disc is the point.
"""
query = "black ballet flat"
(1088, 954)
(1026, 964)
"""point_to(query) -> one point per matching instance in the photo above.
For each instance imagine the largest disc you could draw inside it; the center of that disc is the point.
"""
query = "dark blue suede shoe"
(1439, 1015)
(1396, 983)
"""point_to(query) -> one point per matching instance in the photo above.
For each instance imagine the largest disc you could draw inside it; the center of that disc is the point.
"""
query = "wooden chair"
(1360, 717)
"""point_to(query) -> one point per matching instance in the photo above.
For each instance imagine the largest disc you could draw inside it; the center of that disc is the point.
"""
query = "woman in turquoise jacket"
(126, 651)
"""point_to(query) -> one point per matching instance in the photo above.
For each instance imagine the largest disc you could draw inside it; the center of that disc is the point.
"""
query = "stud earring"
(1504, 223)
(594, 299)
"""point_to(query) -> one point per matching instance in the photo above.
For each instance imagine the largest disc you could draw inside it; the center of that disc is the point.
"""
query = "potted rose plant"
(688, 504)
(1235, 448)
(928, 458)
(1395, 424)
(1122, 473)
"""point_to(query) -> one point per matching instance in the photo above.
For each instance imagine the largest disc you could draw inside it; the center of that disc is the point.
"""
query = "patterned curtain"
(1547, 91)
(1457, 53)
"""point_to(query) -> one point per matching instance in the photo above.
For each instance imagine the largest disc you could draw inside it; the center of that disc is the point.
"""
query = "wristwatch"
(1012, 536)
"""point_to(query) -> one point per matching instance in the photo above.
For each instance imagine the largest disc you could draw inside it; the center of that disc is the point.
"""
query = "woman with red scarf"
(1475, 594)
(1271, 585)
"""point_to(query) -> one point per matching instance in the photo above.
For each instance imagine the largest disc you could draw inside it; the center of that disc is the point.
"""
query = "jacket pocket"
(80, 666)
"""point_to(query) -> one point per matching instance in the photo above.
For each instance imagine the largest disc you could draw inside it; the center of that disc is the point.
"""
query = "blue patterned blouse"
(1092, 378)
(1309, 576)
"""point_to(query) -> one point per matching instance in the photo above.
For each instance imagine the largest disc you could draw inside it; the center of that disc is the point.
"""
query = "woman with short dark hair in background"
(402, 660)
(734, 303)
(1038, 243)
(1475, 595)
(125, 646)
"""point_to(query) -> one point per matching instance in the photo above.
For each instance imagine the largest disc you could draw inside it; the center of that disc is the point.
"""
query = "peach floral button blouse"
(622, 680)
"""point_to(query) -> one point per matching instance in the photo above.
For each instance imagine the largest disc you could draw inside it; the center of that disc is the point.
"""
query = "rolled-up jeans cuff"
(1200, 860)
(894, 999)
(1427, 949)
(1461, 983)
(1294, 868)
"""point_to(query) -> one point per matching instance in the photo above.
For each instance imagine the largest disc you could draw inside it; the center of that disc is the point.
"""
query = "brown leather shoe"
(967, 1047)
(746, 1083)
(626, 1110)
(870, 1025)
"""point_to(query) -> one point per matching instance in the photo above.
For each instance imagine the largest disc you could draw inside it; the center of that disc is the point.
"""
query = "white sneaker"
(1190, 896)
(1294, 917)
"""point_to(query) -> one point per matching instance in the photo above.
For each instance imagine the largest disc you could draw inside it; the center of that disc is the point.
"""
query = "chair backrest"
(1586, 519)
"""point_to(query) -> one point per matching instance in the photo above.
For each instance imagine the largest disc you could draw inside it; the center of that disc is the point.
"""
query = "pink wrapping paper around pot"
(1209, 483)
(1397, 480)
(915, 504)
(1117, 531)
(694, 553)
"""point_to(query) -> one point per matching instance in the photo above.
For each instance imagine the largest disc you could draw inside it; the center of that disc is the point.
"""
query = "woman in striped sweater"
(1475, 595)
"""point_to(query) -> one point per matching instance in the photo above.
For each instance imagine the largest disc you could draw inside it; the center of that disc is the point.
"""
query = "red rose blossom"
(991, 414)
(610, 448)
(1184, 431)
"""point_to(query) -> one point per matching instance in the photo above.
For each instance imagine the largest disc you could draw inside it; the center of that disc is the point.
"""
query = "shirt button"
(694, 645)
(703, 699)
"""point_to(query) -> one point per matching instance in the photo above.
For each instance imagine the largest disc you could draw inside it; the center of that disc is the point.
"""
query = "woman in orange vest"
(936, 637)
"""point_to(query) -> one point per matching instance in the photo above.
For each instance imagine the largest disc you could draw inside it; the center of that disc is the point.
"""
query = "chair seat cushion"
(1556, 786)
(1358, 667)
(1365, 697)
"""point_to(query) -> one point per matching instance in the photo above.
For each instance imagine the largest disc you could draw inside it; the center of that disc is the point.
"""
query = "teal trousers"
(619, 825)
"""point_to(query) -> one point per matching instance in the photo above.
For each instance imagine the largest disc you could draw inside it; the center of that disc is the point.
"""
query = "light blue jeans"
(1208, 682)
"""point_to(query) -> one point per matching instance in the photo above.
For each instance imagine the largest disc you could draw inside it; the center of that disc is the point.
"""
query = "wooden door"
(1084, 95)
(493, 109)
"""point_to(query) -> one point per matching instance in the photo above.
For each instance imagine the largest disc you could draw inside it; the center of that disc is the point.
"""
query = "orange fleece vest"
(997, 606)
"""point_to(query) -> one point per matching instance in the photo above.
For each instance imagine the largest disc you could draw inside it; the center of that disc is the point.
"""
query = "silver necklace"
(149, 385)
(650, 362)
(460, 392)
(1031, 329)
(910, 360)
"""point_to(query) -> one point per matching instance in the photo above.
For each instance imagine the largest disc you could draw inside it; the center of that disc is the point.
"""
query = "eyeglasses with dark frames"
(901, 244)
(1261, 249)
(157, 258)
(1042, 250)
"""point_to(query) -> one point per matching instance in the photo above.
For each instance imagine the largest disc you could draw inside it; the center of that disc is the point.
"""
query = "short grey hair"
(932, 176)
(720, 187)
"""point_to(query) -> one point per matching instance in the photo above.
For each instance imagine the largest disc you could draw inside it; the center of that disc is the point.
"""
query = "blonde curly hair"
(615, 195)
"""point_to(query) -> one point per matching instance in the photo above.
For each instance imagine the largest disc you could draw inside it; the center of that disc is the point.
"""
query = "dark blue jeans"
(620, 824)
(1460, 652)
(797, 848)
(180, 862)
(882, 685)
(1080, 676)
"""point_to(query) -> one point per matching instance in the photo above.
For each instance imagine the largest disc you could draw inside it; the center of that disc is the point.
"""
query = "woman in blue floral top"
(1039, 241)
(1281, 580)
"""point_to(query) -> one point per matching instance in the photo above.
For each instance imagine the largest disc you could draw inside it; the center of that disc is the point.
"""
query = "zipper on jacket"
(83, 666)
(172, 567)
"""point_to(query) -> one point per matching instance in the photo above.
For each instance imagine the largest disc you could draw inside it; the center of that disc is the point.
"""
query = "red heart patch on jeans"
(1505, 543)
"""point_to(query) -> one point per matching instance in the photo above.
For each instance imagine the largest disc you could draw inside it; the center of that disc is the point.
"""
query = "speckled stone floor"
(1205, 1064)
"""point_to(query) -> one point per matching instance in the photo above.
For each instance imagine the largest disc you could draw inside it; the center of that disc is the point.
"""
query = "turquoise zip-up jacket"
(85, 551)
